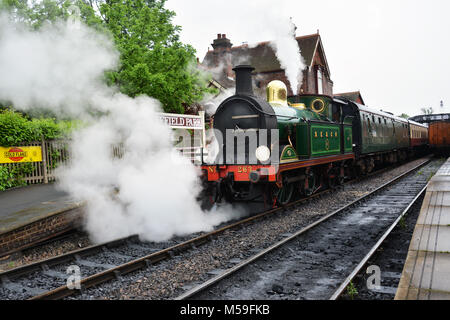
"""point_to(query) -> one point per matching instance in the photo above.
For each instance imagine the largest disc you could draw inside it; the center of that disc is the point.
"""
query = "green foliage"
(153, 60)
(352, 292)
(404, 116)
(36, 13)
(402, 223)
(15, 128)
(5, 178)
(13, 178)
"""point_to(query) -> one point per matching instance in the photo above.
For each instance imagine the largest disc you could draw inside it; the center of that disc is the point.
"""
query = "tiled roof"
(353, 96)
(262, 57)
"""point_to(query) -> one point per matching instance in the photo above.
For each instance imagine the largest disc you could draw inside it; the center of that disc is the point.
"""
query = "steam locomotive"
(272, 151)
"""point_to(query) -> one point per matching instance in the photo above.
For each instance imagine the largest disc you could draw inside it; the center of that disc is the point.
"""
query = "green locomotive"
(319, 141)
(308, 127)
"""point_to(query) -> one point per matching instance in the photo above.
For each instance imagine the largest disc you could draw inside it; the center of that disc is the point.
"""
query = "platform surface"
(21, 206)
(426, 274)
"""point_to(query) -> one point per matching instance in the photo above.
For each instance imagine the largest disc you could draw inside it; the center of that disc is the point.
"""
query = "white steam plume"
(276, 26)
(211, 101)
(281, 32)
(288, 53)
(149, 191)
(58, 67)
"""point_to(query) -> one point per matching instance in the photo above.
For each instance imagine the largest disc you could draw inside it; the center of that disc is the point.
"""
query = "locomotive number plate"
(244, 169)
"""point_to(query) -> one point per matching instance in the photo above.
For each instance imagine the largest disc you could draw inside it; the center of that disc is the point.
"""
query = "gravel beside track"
(47, 250)
(170, 278)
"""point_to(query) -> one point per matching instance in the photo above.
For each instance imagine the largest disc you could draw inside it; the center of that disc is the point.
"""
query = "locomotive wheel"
(284, 194)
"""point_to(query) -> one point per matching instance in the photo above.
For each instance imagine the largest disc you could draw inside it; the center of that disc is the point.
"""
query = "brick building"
(223, 57)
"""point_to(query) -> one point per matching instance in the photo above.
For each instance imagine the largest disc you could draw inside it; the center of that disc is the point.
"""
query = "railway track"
(358, 269)
(57, 237)
(314, 262)
(47, 279)
(377, 275)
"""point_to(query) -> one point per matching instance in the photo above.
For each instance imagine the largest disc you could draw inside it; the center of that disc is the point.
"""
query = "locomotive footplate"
(242, 173)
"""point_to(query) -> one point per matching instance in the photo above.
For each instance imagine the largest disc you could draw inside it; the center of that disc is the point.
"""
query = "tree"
(404, 115)
(35, 13)
(427, 110)
(153, 60)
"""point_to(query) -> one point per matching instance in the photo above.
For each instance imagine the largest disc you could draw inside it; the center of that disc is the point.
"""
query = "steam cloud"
(288, 53)
(280, 29)
(149, 191)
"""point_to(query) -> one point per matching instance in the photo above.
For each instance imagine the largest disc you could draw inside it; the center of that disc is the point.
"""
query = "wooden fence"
(54, 152)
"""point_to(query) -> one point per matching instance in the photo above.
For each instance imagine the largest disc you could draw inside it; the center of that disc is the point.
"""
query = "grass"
(402, 223)
(351, 290)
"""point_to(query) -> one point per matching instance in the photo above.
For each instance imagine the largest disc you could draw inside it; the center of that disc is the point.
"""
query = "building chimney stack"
(221, 43)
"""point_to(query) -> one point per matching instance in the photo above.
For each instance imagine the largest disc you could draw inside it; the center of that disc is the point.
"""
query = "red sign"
(15, 154)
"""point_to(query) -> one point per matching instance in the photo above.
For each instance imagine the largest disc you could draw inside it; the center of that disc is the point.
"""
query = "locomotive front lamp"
(262, 153)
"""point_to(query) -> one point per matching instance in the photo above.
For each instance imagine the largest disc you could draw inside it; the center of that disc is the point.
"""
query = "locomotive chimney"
(244, 79)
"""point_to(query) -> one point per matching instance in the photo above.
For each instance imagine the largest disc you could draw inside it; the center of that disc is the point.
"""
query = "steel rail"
(202, 287)
(66, 257)
(60, 235)
(145, 261)
(372, 251)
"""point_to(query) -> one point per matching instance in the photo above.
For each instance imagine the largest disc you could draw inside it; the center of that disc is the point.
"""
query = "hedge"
(15, 128)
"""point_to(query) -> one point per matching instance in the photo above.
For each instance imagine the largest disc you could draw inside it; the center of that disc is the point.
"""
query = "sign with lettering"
(181, 121)
(20, 154)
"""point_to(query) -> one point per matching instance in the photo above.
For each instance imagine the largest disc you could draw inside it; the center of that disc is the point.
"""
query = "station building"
(224, 56)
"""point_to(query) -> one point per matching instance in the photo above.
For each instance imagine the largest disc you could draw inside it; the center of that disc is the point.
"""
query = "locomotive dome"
(277, 93)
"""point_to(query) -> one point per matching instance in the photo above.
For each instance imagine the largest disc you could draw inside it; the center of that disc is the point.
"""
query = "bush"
(12, 178)
(15, 128)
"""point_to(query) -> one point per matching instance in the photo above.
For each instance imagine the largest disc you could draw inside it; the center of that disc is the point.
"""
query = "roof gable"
(353, 96)
(263, 58)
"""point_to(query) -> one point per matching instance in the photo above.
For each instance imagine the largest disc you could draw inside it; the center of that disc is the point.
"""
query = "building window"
(319, 80)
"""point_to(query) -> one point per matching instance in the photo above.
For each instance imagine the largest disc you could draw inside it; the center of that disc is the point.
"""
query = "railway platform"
(34, 213)
(426, 273)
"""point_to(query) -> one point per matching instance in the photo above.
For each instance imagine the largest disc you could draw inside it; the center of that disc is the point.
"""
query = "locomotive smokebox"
(244, 80)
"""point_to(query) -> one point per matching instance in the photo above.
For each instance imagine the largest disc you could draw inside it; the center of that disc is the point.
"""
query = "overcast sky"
(396, 52)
